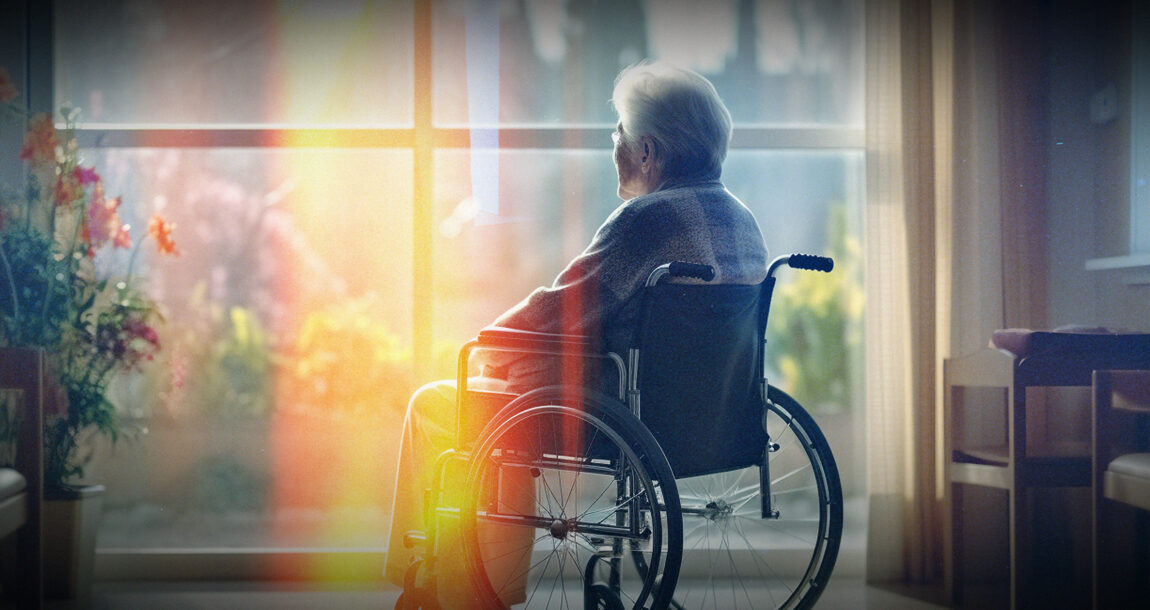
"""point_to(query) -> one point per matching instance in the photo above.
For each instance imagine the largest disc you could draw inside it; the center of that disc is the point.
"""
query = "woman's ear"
(650, 157)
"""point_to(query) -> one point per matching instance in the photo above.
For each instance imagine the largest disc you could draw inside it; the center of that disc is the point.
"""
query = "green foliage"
(224, 483)
(815, 334)
(30, 269)
(237, 368)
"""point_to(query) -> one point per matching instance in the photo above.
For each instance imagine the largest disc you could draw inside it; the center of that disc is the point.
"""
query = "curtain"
(900, 353)
(954, 239)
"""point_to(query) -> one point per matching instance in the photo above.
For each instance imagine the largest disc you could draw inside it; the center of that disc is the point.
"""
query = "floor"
(846, 594)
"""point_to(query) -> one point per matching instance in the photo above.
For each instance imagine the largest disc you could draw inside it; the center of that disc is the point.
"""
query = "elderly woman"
(670, 143)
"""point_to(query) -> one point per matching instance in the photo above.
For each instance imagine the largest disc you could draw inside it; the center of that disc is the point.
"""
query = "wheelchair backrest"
(700, 370)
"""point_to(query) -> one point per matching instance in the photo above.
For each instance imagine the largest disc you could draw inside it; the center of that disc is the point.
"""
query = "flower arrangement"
(59, 289)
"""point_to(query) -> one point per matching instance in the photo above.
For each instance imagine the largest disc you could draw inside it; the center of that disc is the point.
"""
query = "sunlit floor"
(845, 593)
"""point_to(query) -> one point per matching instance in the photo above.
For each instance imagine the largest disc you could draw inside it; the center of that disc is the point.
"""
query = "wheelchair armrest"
(500, 338)
(513, 338)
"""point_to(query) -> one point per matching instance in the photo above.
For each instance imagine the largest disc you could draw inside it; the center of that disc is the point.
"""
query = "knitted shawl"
(597, 293)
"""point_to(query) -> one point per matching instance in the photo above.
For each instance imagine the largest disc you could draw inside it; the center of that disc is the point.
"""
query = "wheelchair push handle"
(803, 261)
(812, 262)
(681, 269)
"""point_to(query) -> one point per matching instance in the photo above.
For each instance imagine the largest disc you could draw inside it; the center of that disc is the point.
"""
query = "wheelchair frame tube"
(587, 528)
(431, 502)
(796, 261)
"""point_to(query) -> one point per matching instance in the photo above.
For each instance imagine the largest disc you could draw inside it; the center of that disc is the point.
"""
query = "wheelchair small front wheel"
(601, 597)
(564, 486)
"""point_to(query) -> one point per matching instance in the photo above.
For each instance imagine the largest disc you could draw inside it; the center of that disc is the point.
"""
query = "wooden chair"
(1121, 464)
(1035, 359)
(22, 486)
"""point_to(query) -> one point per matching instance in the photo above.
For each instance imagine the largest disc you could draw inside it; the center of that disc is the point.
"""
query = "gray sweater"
(597, 294)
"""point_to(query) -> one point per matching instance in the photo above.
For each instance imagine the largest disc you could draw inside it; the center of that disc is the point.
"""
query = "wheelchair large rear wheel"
(733, 558)
(565, 487)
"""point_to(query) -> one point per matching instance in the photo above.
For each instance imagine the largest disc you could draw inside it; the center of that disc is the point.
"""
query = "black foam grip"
(702, 272)
(812, 262)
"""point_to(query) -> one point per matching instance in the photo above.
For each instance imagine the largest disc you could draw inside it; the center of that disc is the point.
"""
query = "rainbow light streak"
(331, 462)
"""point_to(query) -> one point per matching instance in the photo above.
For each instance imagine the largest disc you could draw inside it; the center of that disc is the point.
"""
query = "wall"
(1087, 186)
(1088, 177)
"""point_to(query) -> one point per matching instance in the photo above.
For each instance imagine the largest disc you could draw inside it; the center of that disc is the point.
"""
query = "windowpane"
(553, 63)
(794, 193)
(489, 256)
(151, 62)
(273, 413)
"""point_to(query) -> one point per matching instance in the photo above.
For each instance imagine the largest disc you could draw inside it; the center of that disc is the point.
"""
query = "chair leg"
(954, 542)
(1020, 548)
(1120, 557)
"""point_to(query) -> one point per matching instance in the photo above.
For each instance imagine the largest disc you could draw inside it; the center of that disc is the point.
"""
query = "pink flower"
(136, 329)
(103, 220)
(138, 341)
(86, 176)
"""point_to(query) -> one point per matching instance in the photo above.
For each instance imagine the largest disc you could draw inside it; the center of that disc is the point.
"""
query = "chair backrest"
(700, 370)
(1121, 460)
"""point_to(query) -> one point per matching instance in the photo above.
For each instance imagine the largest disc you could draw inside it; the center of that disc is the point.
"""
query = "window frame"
(423, 137)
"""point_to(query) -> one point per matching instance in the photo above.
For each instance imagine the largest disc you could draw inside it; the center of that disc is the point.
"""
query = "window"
(359, 186)
(1140, 133)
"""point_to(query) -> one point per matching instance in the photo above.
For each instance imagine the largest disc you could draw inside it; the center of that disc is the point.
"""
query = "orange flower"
(161, 230)
(123, 238)
(8, 90)
(40, 142)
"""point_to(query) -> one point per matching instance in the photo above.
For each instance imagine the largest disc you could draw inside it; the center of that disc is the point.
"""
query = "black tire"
(601, 597)
(559, 455)
(735, 559)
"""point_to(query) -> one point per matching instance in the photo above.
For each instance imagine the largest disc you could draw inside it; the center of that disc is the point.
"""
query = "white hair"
(681, 113)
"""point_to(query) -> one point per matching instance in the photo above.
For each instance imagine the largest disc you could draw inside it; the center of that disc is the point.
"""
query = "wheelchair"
(691, 483)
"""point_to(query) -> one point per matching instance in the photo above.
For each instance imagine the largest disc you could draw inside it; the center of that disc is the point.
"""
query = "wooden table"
(1042, 359)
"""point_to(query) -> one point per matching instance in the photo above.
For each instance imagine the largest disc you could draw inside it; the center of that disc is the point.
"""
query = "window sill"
(1136, 267)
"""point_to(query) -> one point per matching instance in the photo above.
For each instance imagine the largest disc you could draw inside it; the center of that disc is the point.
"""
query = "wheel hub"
(559, 529)
(718, 510)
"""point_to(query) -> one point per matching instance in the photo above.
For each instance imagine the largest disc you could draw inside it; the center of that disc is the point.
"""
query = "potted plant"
(61, 291)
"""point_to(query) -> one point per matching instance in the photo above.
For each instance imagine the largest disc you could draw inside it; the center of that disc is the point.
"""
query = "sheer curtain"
(900, 238)
(954, 206)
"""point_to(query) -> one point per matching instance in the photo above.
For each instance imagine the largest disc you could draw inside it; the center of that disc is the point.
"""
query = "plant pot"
(71, 517)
